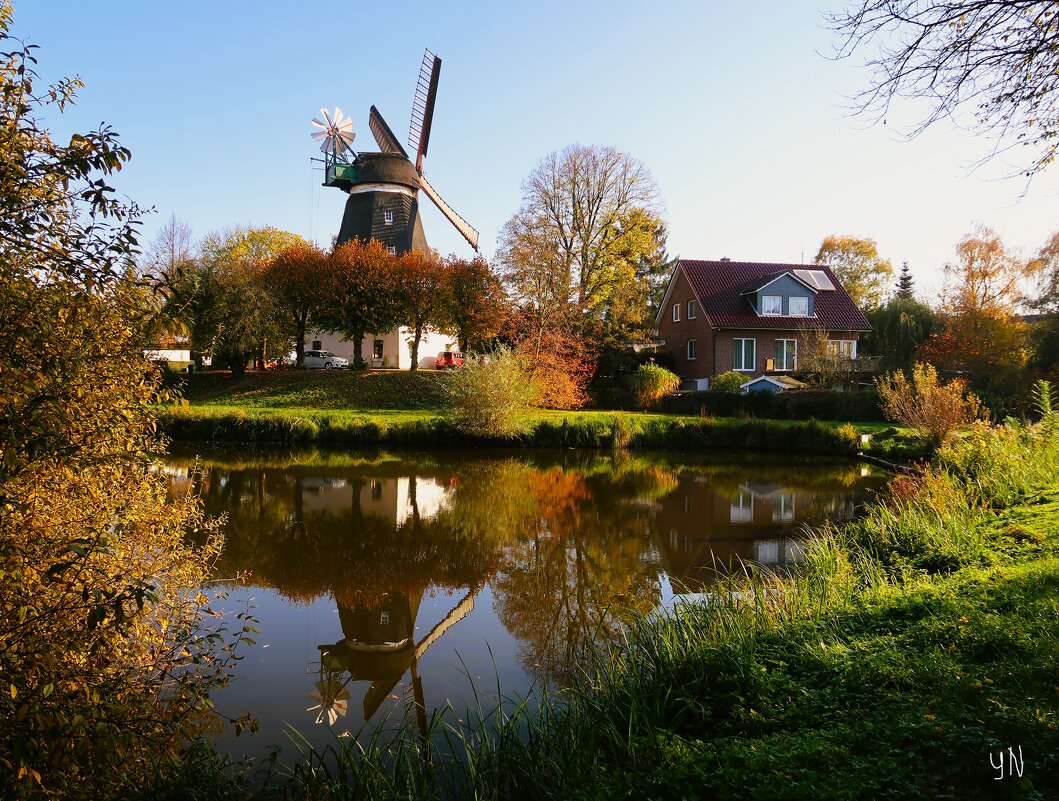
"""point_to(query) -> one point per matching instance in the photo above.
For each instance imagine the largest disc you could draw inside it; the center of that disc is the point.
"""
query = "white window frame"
(844, 348)
(391, 249)
(676, 312)
(691, 350)
(387, 217)
(778, 306)
(741, 509)
(790, 306)
(692, 314)
(742, 354)
(783, 512)
(781, 367)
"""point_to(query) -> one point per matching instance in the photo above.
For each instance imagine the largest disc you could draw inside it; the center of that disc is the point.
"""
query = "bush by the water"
(934, 410)
(492, 396)
(653, 383)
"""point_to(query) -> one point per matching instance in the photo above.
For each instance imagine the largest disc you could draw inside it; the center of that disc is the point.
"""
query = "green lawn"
(401, 408)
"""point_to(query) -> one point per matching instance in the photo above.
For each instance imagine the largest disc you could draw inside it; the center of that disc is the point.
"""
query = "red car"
(449, 360)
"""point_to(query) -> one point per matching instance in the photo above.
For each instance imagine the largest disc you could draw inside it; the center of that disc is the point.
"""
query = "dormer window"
(772, 304)
(799, 307)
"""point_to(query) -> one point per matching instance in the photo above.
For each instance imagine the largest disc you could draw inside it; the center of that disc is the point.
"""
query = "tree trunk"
(299, 351)
(237, 364)
(358, 352)
(415, 349)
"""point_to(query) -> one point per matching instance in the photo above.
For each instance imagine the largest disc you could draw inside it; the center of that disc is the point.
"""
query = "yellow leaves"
(28, 773)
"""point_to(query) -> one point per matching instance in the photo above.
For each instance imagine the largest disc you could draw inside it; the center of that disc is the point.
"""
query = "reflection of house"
(753, 318)
(704, 527)
(398, 499)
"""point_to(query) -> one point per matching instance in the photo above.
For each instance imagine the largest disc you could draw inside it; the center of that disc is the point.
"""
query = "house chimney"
(725, 258)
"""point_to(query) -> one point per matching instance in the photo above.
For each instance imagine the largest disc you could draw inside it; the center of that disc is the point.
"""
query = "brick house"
(753, 317)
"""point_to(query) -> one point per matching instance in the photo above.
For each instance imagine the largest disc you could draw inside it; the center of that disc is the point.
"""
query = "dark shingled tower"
(383, 203)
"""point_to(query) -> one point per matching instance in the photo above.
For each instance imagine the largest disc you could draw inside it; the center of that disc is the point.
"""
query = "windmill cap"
(386, 168)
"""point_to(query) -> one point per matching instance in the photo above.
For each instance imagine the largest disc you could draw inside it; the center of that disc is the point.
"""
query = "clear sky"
(734, 107)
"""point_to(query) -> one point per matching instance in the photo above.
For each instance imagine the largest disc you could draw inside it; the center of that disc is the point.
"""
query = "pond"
(387, 585)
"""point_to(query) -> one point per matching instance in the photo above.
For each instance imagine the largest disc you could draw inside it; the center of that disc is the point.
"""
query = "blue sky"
(733, 106)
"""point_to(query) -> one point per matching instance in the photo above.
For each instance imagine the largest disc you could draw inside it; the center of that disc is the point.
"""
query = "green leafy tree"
(899, 328)
(238, 317)
(360, 293)
(864, 274)
(730, 381)
(105, 663)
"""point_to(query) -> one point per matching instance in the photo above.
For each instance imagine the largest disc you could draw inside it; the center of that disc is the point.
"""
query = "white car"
(325, 359)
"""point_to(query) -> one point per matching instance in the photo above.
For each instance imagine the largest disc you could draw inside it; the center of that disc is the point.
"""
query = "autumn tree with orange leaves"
(360, 291)
(293, 279)
(476, 305)
(420, 284)
(981, 334)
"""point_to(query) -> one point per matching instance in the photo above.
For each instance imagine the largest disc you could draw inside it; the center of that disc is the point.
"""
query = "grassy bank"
(427, 429)
(387, 408)
(914, 646)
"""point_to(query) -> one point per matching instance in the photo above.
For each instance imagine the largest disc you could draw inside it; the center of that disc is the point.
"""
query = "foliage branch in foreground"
(106, 663)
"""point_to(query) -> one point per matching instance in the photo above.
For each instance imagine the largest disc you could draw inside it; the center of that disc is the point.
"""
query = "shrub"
(933, 410)
(727, 382)
(491, 397)
(652, 384)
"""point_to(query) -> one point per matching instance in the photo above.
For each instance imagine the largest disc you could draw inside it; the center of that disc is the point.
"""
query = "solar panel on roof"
(817, 278)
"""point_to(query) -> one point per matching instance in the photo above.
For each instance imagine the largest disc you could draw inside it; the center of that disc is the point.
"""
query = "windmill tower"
(384, 187)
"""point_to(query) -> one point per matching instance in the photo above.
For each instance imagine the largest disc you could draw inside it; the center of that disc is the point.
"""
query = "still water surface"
(389, 585)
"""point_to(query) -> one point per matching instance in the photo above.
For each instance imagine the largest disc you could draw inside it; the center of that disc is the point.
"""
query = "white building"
(392, 349)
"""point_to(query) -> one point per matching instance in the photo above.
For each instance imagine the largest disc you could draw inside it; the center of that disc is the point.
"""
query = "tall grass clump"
(492, 396)
(932, 409)
(652, 384)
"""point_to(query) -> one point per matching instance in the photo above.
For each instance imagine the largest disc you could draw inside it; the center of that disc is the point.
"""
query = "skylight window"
(815, 278)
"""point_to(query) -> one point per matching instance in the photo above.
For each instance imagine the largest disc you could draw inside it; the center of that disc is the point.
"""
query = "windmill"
(384, 187)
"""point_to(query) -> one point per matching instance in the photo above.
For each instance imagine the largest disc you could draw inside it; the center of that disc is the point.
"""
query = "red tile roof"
(719, 286)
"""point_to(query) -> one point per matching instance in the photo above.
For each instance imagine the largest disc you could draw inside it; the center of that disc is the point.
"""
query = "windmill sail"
(464, 227)
(423, 107)
(388, 143)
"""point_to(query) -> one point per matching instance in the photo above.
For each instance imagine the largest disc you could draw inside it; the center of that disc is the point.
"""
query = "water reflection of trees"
(570, 543)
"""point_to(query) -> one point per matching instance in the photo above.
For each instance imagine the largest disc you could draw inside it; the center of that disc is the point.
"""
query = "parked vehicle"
(449, 360)
(325, 359)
